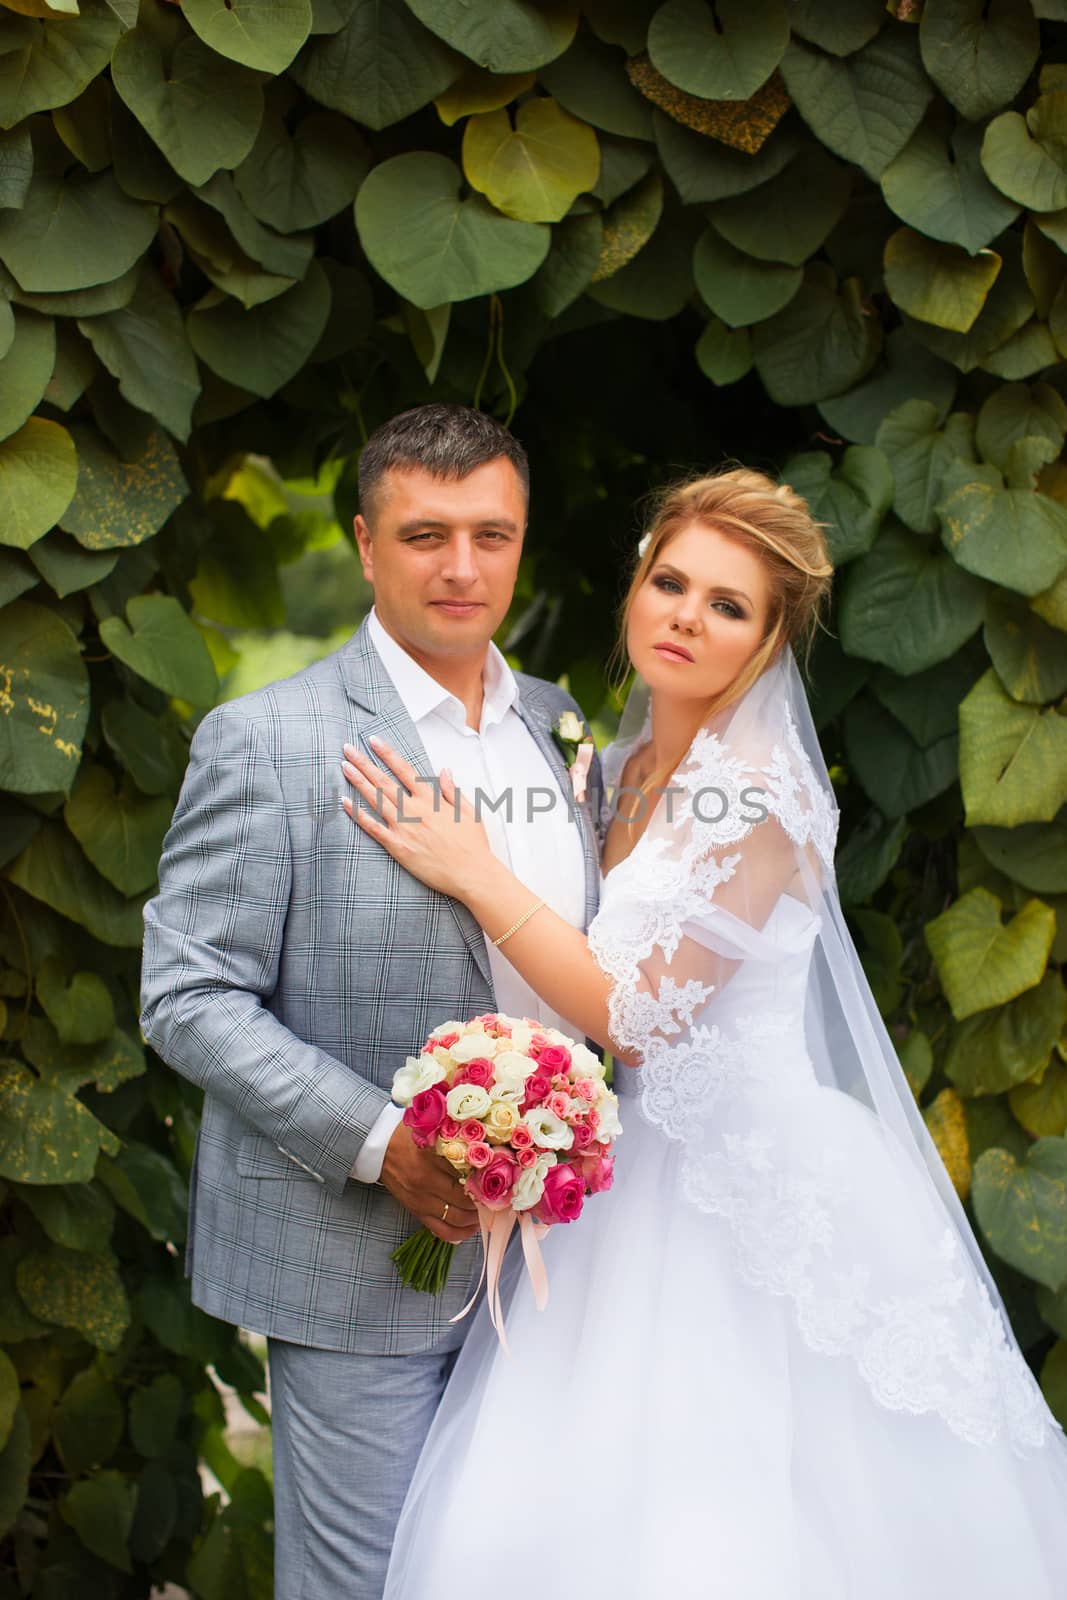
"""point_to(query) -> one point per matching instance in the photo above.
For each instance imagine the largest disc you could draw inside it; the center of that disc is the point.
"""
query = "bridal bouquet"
(525, 1117)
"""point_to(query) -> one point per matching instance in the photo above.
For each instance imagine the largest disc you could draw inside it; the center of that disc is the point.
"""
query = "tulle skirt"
(663, 1430)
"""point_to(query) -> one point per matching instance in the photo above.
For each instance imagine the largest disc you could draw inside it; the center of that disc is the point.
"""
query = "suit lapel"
(371, 687)
(534, 716)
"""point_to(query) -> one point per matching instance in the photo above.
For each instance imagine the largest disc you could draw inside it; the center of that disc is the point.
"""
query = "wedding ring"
(444, 1214)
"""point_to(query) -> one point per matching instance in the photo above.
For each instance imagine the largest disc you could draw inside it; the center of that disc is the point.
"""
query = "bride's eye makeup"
(670, 585)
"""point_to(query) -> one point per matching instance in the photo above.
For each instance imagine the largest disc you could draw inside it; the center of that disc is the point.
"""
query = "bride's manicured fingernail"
(376, 743)
(350, 751)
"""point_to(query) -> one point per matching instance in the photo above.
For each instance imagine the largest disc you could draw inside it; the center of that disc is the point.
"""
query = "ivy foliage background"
(826, 236)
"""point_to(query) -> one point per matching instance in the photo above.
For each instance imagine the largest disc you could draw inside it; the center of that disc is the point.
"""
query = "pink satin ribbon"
(580, 770)
(496, 1228)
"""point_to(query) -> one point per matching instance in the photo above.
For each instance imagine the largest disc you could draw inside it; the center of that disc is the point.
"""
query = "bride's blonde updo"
(772, 521)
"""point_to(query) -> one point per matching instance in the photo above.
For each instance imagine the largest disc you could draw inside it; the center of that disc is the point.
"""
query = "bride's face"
(700, 614)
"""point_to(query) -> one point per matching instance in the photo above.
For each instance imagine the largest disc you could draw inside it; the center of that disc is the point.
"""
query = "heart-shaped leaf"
(53, 870)
(89, 1421)
(73, 232)
(262, 348)
(50, 66)
(1022, 1210)
(1042, 1107)
(937, 185)
(849, 501)
(38, 474)
(938, 283)
(896, 772)
(907, 604)
(724, 354)
(920, 453)
(80, 1008)
(983, 962)
(300, 180)
(1013, 758)
(380, 67)
(823, 342)
(535, 170)
(590, 82)
(122, 834)
(46, 1134)
(162, 646)
(431, 244)
(864, 108)
(1034, 855)
(1010, 536)
(502, 35)
(46, 701)
(978, 52)
(720, 52)
(788, 217)
(1027, 157)
(263, 37)
(1019, 411)
(145, 347)
(738, 288)
(840, 26)
(1030, 657)
(907, 371)
(25, 371)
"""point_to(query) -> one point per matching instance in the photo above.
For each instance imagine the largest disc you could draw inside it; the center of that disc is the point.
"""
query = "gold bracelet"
(515, 926)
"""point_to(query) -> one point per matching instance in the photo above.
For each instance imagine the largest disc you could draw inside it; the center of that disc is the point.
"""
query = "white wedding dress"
(773, 1365)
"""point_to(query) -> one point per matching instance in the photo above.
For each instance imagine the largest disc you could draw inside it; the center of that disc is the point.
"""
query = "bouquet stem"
(423, 1261)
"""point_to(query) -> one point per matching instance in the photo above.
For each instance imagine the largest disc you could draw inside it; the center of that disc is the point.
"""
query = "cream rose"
(547, 1130)
(471, 1045)
(570, 727)
(453, 1150)
(466, 1101)
(521, 1035)
(530, 1185)
(417, 1073)
(500, 1121)
(585, 1064)
(510, 1071)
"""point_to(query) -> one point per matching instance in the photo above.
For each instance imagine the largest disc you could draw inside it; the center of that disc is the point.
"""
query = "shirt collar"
(421, 694)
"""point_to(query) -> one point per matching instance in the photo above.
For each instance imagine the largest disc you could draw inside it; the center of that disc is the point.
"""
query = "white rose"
(417, 1073)
(609, 1126)
(470, 1046)
(548, 1130)
(570, 726)
(521, 1035)
(531, 1184)
(510, 1071)
(585, 1064)
(467, 1100)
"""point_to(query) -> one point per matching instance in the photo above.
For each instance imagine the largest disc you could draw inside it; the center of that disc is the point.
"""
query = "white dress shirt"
(535, 836)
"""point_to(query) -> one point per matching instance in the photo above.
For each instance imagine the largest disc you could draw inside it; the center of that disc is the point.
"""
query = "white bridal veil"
(763, 1054)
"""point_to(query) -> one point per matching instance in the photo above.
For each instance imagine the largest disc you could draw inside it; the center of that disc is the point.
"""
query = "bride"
(774, 1365)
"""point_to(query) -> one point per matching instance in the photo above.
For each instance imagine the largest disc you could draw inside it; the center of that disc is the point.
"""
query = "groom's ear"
(365, 545)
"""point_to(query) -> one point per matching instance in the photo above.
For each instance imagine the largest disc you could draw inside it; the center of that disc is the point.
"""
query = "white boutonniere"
(577, 747)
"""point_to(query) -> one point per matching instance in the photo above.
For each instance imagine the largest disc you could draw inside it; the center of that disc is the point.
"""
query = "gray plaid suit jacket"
(289, 968)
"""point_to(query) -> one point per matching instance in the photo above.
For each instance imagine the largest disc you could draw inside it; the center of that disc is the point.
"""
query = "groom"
(290, 966)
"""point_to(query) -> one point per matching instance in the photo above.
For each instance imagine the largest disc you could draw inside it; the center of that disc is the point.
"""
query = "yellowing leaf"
(982, 962)
(535, 171)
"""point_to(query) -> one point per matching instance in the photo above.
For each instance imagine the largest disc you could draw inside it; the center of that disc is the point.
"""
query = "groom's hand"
(423, 1183)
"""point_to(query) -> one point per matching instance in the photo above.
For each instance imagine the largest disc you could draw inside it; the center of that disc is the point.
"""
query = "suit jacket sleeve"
(213, 943)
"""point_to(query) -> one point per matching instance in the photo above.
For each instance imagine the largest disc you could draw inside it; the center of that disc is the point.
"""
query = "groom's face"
(443, 555)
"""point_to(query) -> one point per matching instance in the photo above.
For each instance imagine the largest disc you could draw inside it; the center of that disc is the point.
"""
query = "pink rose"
(493, 1185)
(443, 1040)
(559, 1104)
(473, 1131)
(449, 1129)
(598, 1173)
(538, 1084)
(537, 1044)
(479, 1154)
(561, 1081)
(583, 1135)
(521, 1137)
(424, 1116)
(554, 1058)
(525, 1155)
(593, 1119)
(587, 1089)
(564, 1194)
(479, 1071)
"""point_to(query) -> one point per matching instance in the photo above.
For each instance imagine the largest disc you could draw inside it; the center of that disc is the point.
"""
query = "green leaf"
(74, 232)
(788, 217)
(145, 347)
(1041, 1107)
(881, 952)
(865, 108)
(1044, 265)
(38, 472)
(907, 604)
(46, 1135)
(178, 1325)
(162, 646)
(264, 347)
(738, 288)
(277, 253)
(622, 22)
(25, 370)
(154, 1414)
(703, 170)
(983, 962)
(1019, 411)
(85, 126)
(117, 1059)
(863, 864)
(1030, 657)
(156, 1516)
(16, 166)
(1027, 352)
(147, 1185)
(140, 166)
(919, 454)
(568, 269)
(927, 703)
(724, 354)
(16, 1324)
(42, 67)
(1010, 536)
(433, 246)
(908, 372)
(263, 37)
(16, 576)
(46, 701)
(938, 283)
(720, 52)
(628, 226)
(849, 501)
(1027, 157)
(80, 1008)
(840, 26)
(77, 1215)
(657, 283)
(302, 179)
(997, 1049)
(9, 1398)
(100, 1510)
(1034, 855)
(15, 1463)
(66, 567)
(149, 747)
(823, 342)
(1022, 1210)
(122, 834)
(200, 109)
(82, 302)
(477, 90)
(978, 52)
(53, 869)
(937, 185)
(535, 170)
(1013, 758)
(88, 1422)
(897, 773)
(1054, 1369)
(502, 35)
(1008, 307)
(216, 252)
(379, 68)
(121, 503)
(590, 81)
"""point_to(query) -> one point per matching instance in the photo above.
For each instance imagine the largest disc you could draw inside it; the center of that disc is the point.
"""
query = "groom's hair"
(445, 441)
